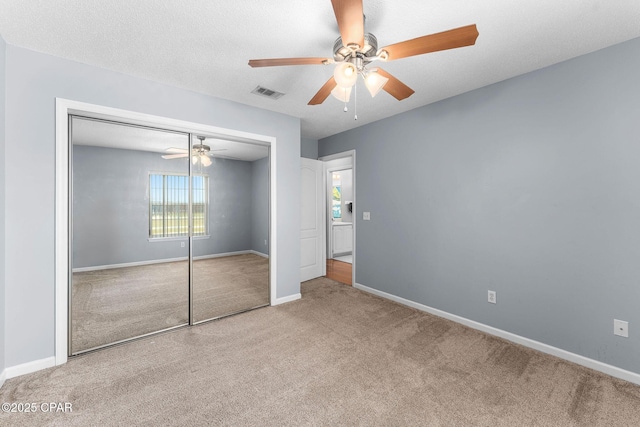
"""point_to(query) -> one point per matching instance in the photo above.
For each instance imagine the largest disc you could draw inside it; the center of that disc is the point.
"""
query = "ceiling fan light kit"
(200, 154)
(342, 94)
(345, 75)
(205, 160)
(374, 82)
(354, 50)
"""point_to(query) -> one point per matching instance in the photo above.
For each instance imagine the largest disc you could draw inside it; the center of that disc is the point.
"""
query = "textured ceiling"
(204, 45)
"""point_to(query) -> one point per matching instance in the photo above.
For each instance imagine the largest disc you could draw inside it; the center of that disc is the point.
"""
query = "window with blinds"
(169, 205)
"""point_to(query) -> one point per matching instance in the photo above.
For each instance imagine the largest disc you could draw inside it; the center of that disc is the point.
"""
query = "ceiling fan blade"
(173, 150)
(324, 92)
(458, 37)
(174, 156)
(276, 62)
(395, 87)
(350, 19)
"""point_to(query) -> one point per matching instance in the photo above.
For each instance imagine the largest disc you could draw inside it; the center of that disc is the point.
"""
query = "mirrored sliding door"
(230, 271)
(167, 229)
(130, 232)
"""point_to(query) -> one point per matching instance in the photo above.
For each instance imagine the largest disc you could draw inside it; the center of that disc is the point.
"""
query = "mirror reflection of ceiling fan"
(201, 153)
(355, 50)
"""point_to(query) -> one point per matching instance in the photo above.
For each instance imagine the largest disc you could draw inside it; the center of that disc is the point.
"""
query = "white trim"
(29, 367)
(614, 371)
(61, 231)
(3, 377)
(273, 219)
(286, 299)
(64, 107)
(348, 153)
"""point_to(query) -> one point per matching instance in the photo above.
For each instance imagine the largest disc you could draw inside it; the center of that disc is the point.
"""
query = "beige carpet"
(116, 304)
(339, 356)
(228, 285)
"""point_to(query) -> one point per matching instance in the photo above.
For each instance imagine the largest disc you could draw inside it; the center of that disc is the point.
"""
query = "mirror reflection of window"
(169, 205)
(336, 205)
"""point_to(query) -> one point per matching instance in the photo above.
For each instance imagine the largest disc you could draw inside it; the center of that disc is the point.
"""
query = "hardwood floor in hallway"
(339, 271)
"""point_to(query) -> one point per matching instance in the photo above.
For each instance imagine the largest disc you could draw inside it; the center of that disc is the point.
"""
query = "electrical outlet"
(366, 216)
(265, 242)
(182, 244)
(621, 328)
(492, 297)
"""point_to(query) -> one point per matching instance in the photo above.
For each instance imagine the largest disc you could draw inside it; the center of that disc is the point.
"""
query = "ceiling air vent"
(268, 93)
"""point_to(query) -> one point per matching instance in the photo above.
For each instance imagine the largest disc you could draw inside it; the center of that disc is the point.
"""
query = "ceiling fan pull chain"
(355, 101)
(345, 100)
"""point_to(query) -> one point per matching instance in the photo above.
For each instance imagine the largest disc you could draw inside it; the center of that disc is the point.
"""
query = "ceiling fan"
(201, 153)
(354, 50)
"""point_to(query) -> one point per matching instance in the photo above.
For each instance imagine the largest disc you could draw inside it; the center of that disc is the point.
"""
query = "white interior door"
(312, 256)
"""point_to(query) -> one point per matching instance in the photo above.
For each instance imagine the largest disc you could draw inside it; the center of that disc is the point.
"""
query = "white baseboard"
(614, 371)
(220, 255)
(162, 261)
(225, 254)
(286, 299)
(128, 264)
(259, 254)
(3, 377)
(29, 367)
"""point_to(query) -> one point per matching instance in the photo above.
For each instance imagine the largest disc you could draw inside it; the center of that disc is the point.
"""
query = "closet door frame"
(66, 108)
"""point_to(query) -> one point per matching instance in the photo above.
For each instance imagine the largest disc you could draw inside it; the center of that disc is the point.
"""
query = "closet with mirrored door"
(168, 229)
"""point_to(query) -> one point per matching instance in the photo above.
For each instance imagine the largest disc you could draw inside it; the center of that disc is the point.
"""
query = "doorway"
(184, 212)
(340, 216)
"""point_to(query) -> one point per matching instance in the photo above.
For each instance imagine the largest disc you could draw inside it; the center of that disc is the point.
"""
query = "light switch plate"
(621, 328)
(366, 216)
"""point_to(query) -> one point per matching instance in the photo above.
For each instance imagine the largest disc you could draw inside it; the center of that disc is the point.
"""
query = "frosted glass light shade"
(206, 161)
(341, 93)
(374, 82)
(194, 159)
(345, 74)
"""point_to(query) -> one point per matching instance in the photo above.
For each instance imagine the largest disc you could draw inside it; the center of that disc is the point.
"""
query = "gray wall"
(230, 205)
(309, 148)
(33, 81)
(260, 205)
(111, 207)
(529, 187)
(3, 47)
